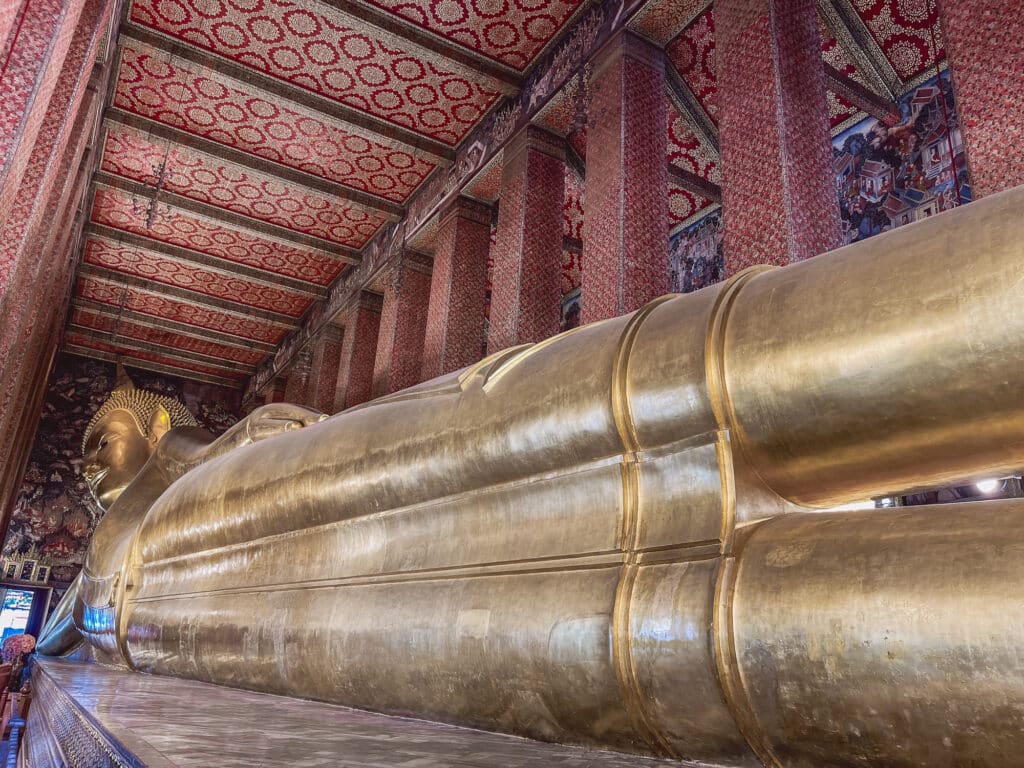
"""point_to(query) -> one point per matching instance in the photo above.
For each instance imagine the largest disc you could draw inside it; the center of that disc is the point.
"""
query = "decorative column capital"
(536, 139)
(626, 45)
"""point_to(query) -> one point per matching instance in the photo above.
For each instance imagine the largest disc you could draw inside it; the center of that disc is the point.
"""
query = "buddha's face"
(114, 454)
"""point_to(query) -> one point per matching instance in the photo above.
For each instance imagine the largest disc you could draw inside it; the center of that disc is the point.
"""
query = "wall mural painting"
(54, 515)
(891, 175)
(695, 254)
(570, 310)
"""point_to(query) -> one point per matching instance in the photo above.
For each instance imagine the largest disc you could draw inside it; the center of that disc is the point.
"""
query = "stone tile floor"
(174, 723)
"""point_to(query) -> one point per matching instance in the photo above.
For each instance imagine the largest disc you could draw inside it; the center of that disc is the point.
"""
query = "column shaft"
(275, 391)
(358, 352)
(403, 325)
(29, 72)
(985, 41)
(625, 237)
(526, 283)
(323, 376)
(778, 193)
(458, 289)
(296, 389)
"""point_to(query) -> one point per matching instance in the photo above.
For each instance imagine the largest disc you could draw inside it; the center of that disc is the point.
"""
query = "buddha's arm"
(183, 449)
(265, 421)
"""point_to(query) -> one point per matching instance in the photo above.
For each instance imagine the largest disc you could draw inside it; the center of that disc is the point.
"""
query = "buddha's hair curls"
(141, 404)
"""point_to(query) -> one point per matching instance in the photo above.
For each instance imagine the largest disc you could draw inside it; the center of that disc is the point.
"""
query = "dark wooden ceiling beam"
(288, 175)
(860, 96)
(695, 184)
(147, 365)
(230, 268)
(499, 77)
(171, 326)
(273, 89)
(229, 218)
(861, 47)
(184, 294)
(172, 353)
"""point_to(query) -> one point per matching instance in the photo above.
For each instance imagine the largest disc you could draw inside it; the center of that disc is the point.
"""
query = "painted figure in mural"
(605, 538)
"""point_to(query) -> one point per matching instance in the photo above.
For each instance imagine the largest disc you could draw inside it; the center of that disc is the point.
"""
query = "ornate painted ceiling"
(255, 152)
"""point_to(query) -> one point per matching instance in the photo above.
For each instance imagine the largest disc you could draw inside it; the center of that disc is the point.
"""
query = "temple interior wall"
(54, 514)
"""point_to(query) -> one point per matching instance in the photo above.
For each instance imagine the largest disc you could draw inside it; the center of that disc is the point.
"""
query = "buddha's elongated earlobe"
(159, 424)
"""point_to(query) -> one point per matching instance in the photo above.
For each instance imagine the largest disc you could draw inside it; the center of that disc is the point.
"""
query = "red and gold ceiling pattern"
(90, 342)
(315, 47)
(683, 204)
(225, 185)
(686, 150)
(839, 109)
(378, 170)
(114, 208)
(693, 56)
(113, 325)
(159, 305)
(509, 31)
(180, 274)
(203, 103)
(661, 21)
(286, 45)
(907, 31)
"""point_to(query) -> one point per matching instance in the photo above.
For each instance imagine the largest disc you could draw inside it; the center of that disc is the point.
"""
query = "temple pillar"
(458, 289)
(11, 11)
(358, 351)
(985, 45)
(778, 192)
(47, 117)
(296, 387)
(275, 391)
(402, 321)
(41, 34)
(323, 375)
(526, 286)
(625, 236)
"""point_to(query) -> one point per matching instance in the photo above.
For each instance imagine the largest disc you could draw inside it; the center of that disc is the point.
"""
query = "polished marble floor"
(169, 723)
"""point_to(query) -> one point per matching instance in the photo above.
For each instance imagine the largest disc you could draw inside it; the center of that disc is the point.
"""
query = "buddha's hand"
(275, 418)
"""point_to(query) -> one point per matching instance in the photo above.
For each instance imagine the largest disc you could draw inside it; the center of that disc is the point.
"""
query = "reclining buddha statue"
(615, 537)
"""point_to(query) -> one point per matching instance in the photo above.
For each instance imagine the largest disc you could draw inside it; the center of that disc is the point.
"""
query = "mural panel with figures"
(891, 175)
(54, 515)
(887, 175)
(695, 254)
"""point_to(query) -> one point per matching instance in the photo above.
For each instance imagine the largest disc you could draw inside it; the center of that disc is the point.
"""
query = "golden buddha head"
(123, 434)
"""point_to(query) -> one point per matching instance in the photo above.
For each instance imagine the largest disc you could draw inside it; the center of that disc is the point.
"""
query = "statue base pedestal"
(86, 715)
